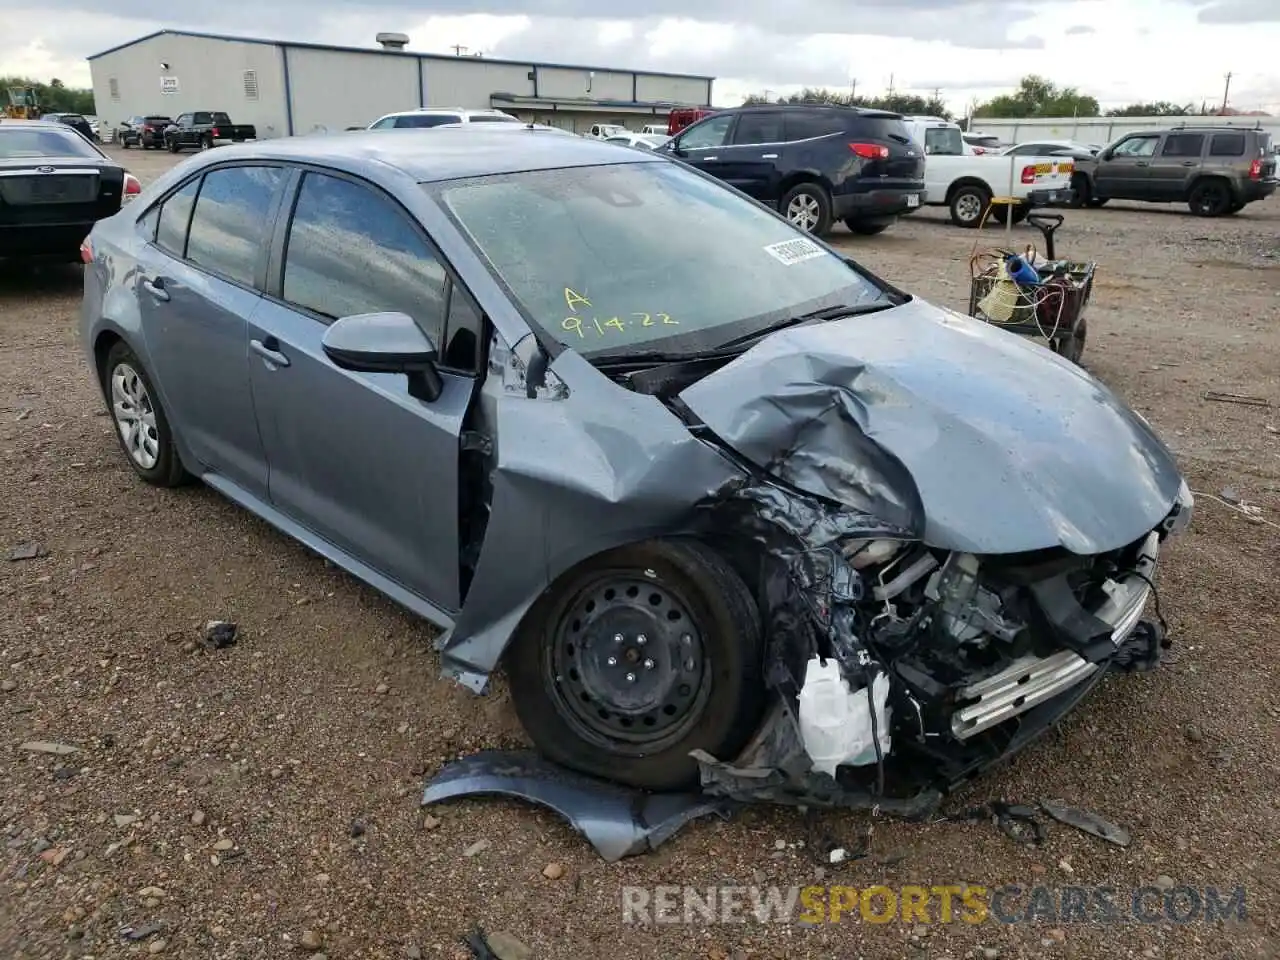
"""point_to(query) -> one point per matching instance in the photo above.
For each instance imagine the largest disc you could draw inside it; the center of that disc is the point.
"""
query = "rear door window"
(175, 215)
(426, 119)
(230, 224)
(763, 127)
(1227, 145)
(1182, 145)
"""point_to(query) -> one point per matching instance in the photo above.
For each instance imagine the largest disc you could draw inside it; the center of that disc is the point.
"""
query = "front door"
(352, 456)
(1125, 173)
(702, 145)
(197, 289)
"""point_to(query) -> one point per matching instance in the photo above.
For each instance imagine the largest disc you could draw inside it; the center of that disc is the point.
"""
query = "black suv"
(1215, 170)
(146, 132)
(813, 164)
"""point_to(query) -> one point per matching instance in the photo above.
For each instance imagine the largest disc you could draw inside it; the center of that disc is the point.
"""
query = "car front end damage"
(982, 654)
(974, 526)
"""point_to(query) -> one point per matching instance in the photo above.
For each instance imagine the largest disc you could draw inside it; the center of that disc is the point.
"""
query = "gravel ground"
(262, 799)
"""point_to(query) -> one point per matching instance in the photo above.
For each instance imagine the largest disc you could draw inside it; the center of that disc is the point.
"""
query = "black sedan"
(54, 186)
(75, 121)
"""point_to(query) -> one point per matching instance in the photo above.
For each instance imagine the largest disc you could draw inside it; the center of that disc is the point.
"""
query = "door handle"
(1141, 163)
(155, 288)
(1189, 163)
(768, 156)
(710, 158)
(269, 350)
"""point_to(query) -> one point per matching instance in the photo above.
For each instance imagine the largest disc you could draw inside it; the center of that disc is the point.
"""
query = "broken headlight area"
(899, 670)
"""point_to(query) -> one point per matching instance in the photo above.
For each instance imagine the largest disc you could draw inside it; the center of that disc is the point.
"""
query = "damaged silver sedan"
(728, 508)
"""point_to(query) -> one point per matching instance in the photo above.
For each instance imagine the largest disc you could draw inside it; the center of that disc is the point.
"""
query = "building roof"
(391, 53)
(439, 153)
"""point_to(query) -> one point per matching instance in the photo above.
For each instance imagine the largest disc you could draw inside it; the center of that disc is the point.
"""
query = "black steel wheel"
(636, 658)
(1210, 198)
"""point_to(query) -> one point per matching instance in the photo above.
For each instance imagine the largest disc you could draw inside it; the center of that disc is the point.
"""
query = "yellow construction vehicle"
(23, 104)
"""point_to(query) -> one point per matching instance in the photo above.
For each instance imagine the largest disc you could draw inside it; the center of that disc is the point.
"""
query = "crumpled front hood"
(978, 439)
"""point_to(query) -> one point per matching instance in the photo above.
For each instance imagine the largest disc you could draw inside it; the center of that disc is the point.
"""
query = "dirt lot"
(270, 790)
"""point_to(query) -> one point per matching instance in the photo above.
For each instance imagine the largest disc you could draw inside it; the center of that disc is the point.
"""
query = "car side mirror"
(386, 343)
(1106, 155)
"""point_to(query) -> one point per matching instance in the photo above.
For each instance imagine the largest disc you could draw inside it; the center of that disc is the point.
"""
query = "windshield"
(943, 142)
(18, 142)
(493, 118)
(645, 256)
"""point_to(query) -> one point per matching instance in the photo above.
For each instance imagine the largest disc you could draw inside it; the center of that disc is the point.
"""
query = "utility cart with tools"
(1033, 293)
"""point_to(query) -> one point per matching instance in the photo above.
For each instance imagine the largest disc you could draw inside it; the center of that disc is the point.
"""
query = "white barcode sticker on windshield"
(793, 251)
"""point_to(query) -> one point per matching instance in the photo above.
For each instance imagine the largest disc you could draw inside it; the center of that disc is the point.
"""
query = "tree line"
(1034, 97)
(54, 96)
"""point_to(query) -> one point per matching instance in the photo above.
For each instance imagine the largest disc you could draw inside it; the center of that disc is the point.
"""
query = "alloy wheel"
(135, 416)
(803, 212)
(969, 207)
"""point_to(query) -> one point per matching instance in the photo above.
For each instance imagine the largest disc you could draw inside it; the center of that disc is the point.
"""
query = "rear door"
(755, 159)
(197, 285)
(1124, 170)
(353, 457)
(1171, 170)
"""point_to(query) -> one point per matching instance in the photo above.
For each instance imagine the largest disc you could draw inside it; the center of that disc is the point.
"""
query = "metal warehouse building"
(286, 88)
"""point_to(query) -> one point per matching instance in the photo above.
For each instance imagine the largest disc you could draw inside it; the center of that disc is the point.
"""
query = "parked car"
(967, 183)
(439, 116)
(95, 128)
(980, 143)
(73, 120)
(1051, 148)
(143, 130)
(814, 163)
(682, 117)
(54, 186)
(642, 141)
(1215, 170)
(603, 131)
(656, 467)
(657, 129)
(205, 129)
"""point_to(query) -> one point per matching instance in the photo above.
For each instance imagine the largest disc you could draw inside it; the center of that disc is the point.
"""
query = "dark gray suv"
(1216, 170)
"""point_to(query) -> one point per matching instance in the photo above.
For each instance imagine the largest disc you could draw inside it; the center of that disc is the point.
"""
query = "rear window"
(1227, 145)
(943, 142)
(221, 118)
(17, 143)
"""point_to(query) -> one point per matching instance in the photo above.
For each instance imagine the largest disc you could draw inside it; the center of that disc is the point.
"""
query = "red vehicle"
(684, 116)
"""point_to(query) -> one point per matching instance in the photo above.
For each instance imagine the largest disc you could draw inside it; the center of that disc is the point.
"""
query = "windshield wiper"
(826, 313)
(655, 356)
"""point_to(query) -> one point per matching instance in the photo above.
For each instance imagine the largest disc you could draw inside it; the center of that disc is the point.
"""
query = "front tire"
(969, 204)
(141, 427)
(808, 207)
(636, 658)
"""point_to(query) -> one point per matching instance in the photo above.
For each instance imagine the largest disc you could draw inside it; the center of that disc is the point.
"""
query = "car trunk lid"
(58, 189)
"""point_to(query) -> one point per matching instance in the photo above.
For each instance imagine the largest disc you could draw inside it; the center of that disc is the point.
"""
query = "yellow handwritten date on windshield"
(613, 326)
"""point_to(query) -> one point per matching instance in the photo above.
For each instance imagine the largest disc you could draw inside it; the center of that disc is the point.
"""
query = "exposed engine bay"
(946, 660)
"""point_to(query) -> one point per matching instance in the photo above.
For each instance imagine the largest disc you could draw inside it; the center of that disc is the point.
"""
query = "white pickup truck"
(966, 183)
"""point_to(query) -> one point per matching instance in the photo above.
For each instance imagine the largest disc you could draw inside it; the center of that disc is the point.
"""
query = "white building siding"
(1105, 130)
(337, 89)
(561, 82)
(210, 76)
(470, 81)
(690, 90)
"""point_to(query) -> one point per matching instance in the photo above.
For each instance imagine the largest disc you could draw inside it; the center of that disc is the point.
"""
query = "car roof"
(836, 107)
(437, 153)
(42, 124)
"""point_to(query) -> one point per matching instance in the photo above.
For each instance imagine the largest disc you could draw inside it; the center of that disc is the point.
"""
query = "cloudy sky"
(1119, 51)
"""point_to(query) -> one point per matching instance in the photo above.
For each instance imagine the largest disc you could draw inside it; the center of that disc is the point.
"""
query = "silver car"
(624, 431)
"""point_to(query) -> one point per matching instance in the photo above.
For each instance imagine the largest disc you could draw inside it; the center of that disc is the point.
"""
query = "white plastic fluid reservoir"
(835, 722)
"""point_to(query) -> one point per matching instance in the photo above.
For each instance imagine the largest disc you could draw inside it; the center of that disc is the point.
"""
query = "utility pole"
(853, 89)
(891, 85)
(458, 48)
(1226, 92)
(768, 95)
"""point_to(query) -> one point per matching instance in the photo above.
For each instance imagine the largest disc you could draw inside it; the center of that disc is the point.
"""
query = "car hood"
(975, 438)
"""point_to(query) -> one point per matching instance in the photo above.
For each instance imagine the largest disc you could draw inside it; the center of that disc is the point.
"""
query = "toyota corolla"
(622, 431)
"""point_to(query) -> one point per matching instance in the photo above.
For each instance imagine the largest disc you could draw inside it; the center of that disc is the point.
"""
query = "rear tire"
(969, 205)
(686, 674)
(1210, 198)
(808, 207)
(142, 429)
(172, 145)
(866, 228)
(1082, 190)
(1072, 347)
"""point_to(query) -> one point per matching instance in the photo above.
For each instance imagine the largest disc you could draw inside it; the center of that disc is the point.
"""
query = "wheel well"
(966, 182)
(1208, 178)
(102, 346)
(795, 179)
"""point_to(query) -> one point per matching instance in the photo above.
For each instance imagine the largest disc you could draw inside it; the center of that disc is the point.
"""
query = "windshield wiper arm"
(826, 313)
